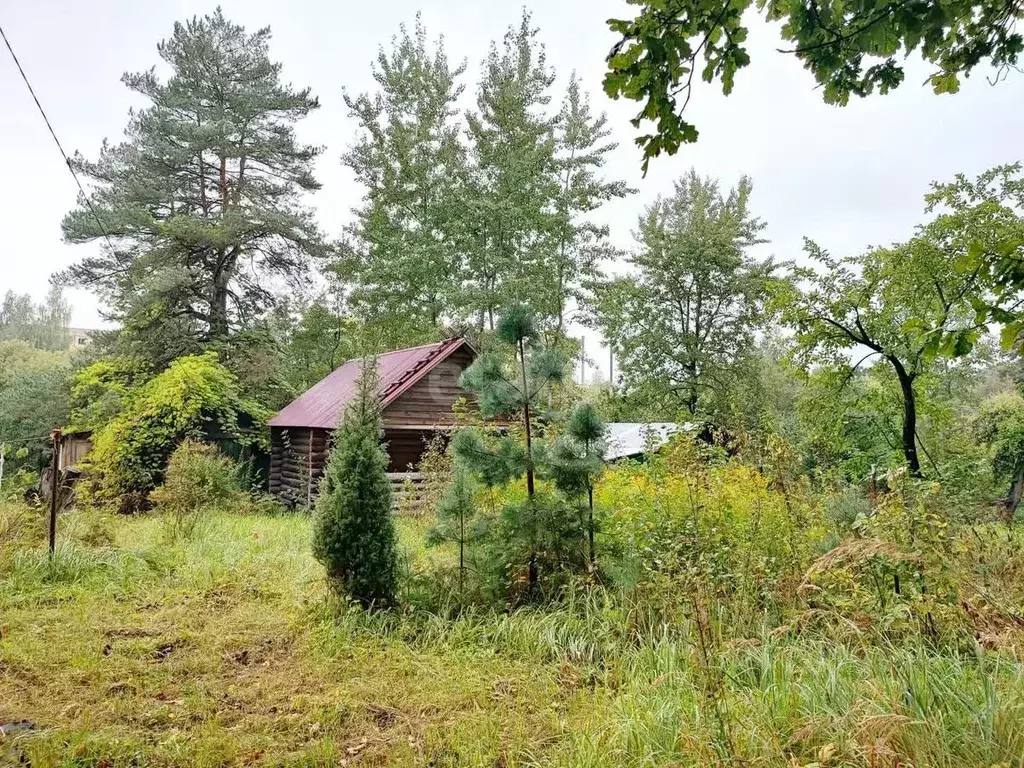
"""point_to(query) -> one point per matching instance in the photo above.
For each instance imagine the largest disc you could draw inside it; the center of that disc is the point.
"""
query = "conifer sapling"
(578, 459)
(354, 531)
(536, 369)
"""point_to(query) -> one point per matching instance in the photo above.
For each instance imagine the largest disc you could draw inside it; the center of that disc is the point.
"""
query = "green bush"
(196, 397)
(198, 478)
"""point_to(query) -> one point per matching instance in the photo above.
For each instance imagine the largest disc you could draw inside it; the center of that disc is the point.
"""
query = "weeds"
(227, 649)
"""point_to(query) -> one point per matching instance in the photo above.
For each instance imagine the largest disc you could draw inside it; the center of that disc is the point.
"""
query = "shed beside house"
(418, 387)
(631, 440)
(74, 445)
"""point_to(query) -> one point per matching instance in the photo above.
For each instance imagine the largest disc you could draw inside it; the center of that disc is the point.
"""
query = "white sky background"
(847, 177)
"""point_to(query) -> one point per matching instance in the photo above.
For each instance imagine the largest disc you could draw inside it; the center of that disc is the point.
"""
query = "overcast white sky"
(847, 177)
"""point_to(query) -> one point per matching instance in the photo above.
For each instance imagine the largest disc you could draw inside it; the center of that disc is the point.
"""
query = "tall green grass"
(614, 682)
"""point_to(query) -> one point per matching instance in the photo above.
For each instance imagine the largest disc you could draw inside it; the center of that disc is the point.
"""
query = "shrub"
(681, 526)
(198, 478)
(99, 390)
(195, 397)
(354, 530)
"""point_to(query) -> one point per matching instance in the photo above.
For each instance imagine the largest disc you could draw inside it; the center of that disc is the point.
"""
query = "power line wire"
(8, 441)
(67, 160)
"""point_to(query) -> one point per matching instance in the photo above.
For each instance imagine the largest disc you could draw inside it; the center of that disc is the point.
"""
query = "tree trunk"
(692, 392)
(909, 435)
(529, 457)
(219, 305)
(590, 528)
(1008, 506)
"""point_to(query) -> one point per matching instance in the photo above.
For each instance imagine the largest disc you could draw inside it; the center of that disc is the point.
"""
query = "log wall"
(297, 459)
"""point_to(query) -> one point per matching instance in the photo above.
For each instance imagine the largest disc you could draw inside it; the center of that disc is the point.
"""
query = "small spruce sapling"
(578, 459)
(537, 368)
(354, 533)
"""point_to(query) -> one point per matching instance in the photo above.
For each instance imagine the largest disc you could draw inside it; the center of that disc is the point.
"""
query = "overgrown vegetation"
(821, 568)
(195, 397)
(730, 627)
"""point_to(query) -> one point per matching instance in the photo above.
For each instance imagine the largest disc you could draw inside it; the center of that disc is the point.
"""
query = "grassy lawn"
(222, 650)
(227, 650)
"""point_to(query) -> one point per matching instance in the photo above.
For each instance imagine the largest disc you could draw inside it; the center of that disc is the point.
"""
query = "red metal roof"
(322, 404)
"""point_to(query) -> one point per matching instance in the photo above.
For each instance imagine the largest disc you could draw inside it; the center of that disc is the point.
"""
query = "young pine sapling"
(457, 520)
(577, 461)
(537, 368)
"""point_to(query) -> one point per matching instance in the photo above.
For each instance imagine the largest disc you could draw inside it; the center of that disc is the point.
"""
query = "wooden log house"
(418, 387)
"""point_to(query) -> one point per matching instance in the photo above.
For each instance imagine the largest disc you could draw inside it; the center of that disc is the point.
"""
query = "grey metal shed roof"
(633, 438)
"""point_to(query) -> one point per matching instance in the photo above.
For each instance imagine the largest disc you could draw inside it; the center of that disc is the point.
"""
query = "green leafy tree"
(980, 224)
(354, 528)
(201, 200)
(315, 337)
(515, 392)
(1000, 424)
(903, 305)
(851, 49)
(513, 180)
(33, 401)
(43, 325)
(579, 244)
(406, 248)
(684, 319)
(578, 460)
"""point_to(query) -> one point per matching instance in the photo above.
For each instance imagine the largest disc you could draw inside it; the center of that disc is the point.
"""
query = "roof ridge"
(400, 369)
(417, 366)
(396, 351)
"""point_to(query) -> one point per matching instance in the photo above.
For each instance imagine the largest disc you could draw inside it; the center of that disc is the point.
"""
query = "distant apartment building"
(80, 337)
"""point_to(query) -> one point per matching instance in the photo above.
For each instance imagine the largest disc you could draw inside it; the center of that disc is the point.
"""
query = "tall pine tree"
(201, 200)
(579, 244)
(405, 251)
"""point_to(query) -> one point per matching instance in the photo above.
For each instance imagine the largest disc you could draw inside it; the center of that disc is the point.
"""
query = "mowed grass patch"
(224, 649)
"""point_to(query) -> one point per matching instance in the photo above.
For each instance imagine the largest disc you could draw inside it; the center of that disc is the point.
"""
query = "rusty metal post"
(54, 473)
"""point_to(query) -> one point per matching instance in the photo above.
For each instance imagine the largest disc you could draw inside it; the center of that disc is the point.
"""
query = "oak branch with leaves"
(850, 48)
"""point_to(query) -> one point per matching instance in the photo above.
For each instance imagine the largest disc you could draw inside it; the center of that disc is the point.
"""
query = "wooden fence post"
(54, 473)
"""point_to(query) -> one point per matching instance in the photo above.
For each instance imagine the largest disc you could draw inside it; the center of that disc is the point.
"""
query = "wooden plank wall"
(428, 403)
(73, 449)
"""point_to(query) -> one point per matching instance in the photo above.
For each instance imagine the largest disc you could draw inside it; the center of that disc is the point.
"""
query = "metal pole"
(611, 366)
(54, 472)
(583, 361)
